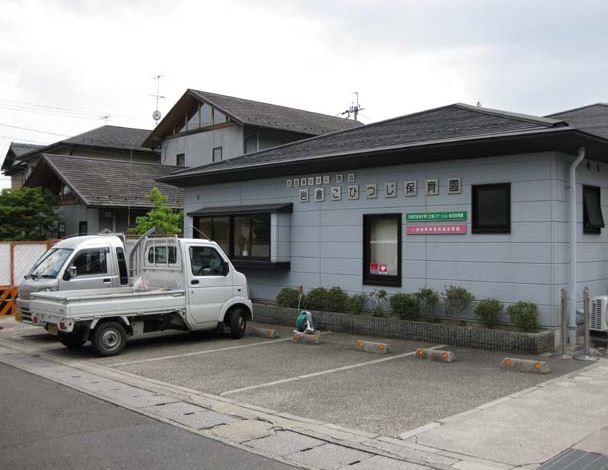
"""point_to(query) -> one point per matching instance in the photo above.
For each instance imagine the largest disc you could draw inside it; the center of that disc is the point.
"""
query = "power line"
(33, 130)
(27, 141)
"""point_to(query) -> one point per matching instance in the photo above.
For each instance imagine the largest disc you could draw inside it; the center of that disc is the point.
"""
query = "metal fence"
(17, 258)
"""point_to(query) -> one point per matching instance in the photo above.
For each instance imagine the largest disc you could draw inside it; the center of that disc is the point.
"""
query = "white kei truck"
(183, 284)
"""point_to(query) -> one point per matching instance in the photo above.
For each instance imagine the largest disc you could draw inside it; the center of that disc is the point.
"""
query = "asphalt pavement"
(48, 426)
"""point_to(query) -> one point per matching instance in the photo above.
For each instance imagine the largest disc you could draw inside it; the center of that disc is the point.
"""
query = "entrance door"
(210, 285)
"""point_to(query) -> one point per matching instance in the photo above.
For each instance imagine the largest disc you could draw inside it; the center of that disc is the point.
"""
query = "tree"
(28, 214)
(166, 220)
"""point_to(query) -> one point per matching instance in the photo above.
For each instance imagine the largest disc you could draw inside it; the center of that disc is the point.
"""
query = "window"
(593, 220)
(205, 261)
(83, 227)
(162, 255)
(218, 117)
(217, 154)
(90, 262)
(491, 208)
(122, 266)
(180, 160)
(382, 249)
(206, 115)
(240, 236)
(194, 119)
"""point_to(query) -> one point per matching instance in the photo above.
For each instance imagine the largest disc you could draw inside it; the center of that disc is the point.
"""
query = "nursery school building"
(457, 195)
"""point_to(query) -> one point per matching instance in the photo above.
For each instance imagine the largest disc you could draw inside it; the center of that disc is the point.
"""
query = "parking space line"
(323, 372)
(195, 353)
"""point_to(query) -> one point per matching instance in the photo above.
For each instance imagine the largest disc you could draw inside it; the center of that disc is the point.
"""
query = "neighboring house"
(206, 127)
(110, 142)
(97, 194)
(11, 166)
(457, 195)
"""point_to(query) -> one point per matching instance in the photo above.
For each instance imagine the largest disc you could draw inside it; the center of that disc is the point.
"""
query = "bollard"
(525, 365)
(564, 326)
(368, 346)
(435, 355)
(586, 312)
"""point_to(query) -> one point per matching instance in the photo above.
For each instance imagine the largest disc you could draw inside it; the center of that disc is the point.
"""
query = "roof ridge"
(119, 160)
(599, 103)
(519, 116)
(266, 103)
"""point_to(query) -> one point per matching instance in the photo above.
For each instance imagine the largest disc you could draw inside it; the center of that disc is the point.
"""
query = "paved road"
(48, 426)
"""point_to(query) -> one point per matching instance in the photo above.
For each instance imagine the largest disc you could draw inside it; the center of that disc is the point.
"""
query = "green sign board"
(435, 216)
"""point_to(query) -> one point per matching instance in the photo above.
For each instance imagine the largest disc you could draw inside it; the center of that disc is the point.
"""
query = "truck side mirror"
(70, 273)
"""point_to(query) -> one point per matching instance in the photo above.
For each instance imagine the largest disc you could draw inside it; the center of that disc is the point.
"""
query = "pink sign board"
(449, 229)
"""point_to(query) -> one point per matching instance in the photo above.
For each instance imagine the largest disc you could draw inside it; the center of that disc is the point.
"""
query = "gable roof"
(447, 124)
(16, 149)
(110, 137)
(107, 183)
(592, 118)
(253, 113)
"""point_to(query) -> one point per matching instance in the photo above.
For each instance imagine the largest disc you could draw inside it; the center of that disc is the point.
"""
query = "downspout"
(572, 216)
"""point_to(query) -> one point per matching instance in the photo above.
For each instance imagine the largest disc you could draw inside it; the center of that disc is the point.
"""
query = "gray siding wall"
(527, 264)
(198, 147)
(73, 214)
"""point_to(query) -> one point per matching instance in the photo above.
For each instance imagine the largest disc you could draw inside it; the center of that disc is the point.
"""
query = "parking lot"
(331, 382)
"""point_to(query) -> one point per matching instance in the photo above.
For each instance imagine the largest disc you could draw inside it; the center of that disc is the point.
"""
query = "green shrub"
(427, 301)
(316, 299)
(356, 303)
(336, 300)
(457, 300)
(288, 297)
(524, 315)
(487, 311)
(404, 305)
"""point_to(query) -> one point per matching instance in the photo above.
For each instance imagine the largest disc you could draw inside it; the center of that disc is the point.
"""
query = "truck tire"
(238, 323)
(109, 338)
(72, 341)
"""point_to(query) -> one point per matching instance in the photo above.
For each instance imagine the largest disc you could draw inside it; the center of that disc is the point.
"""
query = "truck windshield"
(50, 264)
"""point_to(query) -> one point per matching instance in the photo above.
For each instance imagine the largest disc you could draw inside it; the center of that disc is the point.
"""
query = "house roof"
(107, 183)
(450, 125)
(109, 137)
(253, 113)
(592, 118)
(16, 149)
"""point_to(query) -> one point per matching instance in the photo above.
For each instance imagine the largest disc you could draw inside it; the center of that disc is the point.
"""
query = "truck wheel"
(238, 323)
(109, 338)
(71, 341)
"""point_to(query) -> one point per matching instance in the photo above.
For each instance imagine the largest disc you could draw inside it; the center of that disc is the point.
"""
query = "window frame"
(478, 228)
(375, 279)
(83, 224)
(84, 251)
(231, 247)
(177, 160)
(597, 192)
(213, 159)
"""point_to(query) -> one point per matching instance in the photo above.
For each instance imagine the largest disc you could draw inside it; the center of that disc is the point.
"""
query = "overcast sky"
(64, 64)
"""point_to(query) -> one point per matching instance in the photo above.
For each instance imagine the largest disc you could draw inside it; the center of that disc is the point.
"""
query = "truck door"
(210, 283)
(94, 270)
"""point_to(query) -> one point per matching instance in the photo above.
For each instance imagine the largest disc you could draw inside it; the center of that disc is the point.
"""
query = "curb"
(371, 347)
(525, 365)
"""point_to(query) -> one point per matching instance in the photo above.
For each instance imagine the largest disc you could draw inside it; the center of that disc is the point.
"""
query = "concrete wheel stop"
(435, 355)
(369, 346)
(265, 332)
(306, 338)
(525, 365)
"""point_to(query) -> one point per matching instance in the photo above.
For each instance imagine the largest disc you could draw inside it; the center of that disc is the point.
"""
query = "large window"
(205, 261)
(593, 220)
(240, 236)
(90, 262)
(491, 208)
(382, 249)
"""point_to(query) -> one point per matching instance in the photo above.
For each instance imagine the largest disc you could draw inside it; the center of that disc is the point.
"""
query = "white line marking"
(175, 356)
(323, 372)
(196, 353)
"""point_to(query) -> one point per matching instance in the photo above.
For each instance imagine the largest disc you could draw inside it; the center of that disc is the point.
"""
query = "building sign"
(449, 229)
(435, 216)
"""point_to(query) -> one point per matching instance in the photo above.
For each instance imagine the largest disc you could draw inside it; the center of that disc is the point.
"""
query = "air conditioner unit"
(599, 313)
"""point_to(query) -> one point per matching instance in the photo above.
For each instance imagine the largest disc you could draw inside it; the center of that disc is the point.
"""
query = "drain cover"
(574, 459)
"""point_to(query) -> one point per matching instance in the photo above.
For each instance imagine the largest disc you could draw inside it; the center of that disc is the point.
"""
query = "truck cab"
(85, 262)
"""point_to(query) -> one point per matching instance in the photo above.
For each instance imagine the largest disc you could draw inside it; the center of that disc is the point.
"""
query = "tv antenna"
(105, 118)
(355, 108)
(156, 115)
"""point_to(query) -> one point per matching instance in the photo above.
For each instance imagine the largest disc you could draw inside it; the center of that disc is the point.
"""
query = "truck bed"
(99, 303)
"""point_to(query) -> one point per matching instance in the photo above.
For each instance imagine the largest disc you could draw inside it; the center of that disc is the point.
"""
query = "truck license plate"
(52, 329)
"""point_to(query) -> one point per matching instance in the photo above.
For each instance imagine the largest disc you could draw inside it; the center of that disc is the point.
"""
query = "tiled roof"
(108, 183)
(592, 118)
(15, 150)
(256, 113)
(457, 121)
